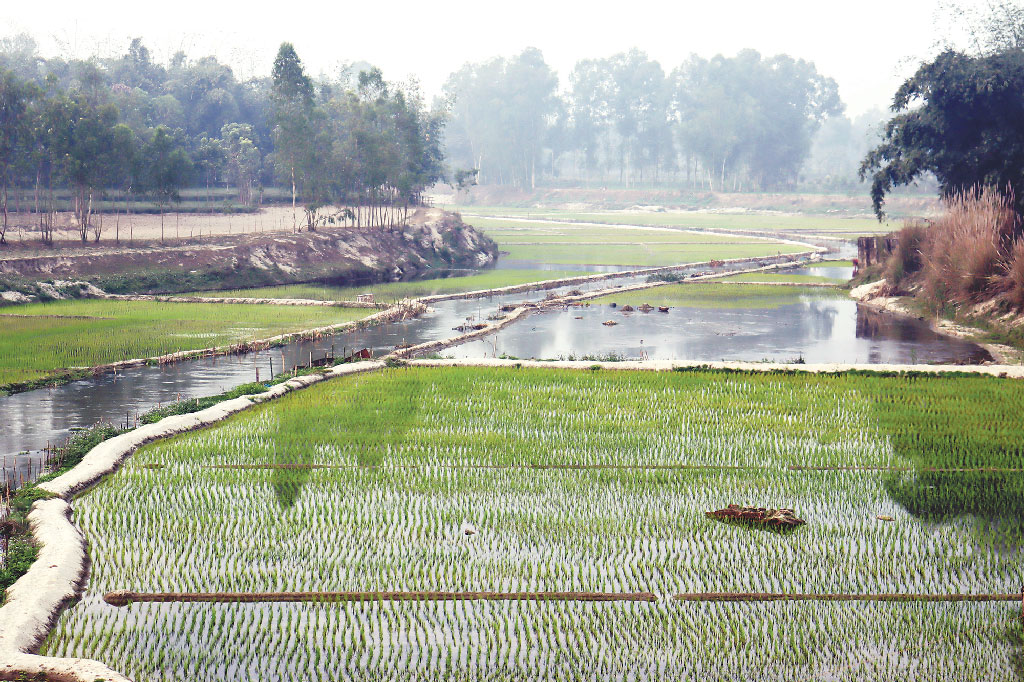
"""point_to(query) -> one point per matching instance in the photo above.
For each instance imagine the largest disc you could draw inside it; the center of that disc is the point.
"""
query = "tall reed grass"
(972, 253)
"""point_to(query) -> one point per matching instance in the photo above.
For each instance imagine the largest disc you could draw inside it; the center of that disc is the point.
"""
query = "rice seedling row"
(716, 295)
(183, 515)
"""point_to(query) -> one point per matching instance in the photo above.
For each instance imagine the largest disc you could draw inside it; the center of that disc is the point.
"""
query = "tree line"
(725, 123)
(131, 128)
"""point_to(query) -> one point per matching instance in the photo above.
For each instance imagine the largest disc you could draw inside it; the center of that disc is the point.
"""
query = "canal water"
(817, 328)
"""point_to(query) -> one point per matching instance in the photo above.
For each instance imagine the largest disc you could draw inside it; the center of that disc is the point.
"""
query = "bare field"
(146, 226)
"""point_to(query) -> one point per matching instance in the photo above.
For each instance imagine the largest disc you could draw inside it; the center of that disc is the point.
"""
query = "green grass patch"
(830, 264)
(645, 255)
(707, 220)
(712, 295)
(782, 277)
(41, 339)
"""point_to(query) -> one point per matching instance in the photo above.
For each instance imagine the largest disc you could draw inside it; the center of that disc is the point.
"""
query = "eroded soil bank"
(432, 240)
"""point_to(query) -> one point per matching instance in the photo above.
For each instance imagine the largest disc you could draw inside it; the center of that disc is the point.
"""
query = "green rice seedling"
(574, 481)
(718, 295)
(39, 339)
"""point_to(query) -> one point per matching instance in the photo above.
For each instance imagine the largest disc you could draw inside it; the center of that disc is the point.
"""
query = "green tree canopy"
(959, 118)
(168, 169)
(501, 113)
(16, 101)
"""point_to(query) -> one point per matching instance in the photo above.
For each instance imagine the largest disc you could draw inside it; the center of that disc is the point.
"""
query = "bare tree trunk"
(128, 213)
(3, 230)
(295, 220)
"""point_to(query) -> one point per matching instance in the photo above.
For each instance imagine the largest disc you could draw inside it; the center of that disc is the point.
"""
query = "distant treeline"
(132, 128)
(727, 123)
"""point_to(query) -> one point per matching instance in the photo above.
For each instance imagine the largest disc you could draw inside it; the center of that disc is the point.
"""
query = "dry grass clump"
(906, 258)
(1013, 277)
(973, 253)
(965, 255)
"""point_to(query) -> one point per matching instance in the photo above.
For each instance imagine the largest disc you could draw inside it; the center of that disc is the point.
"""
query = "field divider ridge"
(241, 300)
(122, 598)
(1001, 371)
(125, 598)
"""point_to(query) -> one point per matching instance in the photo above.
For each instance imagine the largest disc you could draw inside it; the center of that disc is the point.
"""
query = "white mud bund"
(400, 311)
(58, 575)
(1002, 371)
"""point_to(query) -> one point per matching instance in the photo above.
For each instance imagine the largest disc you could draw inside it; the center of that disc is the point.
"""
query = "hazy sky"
(868, 46)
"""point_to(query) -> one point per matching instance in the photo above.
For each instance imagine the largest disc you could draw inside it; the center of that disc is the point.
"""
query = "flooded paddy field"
(507, 480)
(716, 321)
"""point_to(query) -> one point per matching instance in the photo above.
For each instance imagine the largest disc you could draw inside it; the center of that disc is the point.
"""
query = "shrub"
(966, 248)
(1013, 276)
(906, 259)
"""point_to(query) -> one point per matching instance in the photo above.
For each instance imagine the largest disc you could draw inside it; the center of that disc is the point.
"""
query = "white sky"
(868, 46)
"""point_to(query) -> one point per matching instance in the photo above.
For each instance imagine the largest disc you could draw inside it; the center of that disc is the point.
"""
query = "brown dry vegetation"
(973, 253)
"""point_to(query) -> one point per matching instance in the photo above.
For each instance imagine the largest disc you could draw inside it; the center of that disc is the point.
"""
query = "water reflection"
(818, 327)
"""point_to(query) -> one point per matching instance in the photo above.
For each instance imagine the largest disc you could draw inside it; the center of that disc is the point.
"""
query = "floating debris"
(646, 308)
(468, 528)
(470, 327)
(627, 308)
(609, 323)
(884, 517)
(662, 308)
(760, 515)
(579, 317)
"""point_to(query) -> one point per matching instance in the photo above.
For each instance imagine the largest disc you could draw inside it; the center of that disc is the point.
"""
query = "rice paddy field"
(789, 277)
(644, 255)
(569, 244)
(393, 291)
(715, 294)
(39, 339)
(851, 227)
(582, 481)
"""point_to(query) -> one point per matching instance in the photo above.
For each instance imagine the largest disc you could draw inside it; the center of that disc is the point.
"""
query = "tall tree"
(294, 118)
(16, 98)
(168, 169)
(501, 112)
(623, 102)
(750, 117)
(242, 158)
(959, 117)
(125, 168)
(83, 138)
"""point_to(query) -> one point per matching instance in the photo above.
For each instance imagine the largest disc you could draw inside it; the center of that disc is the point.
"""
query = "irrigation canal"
(820, 328)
